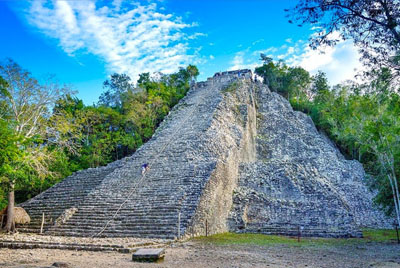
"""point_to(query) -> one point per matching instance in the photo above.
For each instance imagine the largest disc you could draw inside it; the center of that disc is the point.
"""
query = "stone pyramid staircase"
(64, 195)
(117, 201)
(231, 156)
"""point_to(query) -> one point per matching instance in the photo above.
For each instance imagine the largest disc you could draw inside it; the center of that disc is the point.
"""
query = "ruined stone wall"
(300, 180)
(232, 137)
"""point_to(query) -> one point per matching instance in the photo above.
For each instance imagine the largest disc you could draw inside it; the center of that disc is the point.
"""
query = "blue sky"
(83, 42)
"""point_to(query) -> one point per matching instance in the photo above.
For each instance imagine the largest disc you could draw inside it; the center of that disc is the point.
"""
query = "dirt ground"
(201, 254)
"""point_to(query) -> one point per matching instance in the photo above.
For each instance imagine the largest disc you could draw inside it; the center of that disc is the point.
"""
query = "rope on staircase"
(144, 175)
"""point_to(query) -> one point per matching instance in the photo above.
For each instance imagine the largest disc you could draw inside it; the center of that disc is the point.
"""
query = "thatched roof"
(20, 215)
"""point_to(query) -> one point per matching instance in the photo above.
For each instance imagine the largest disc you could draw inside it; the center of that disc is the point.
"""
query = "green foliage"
(287, 81)
(15, 161)
(246, 239)
(30, 142)
(117, 86)
(4, 108)
(67, 135)
(192, 71)
(125, 118)
(372, 25)
(231, 87)
(11, 153)
(74, 136)
(320, 84)
(365, 127)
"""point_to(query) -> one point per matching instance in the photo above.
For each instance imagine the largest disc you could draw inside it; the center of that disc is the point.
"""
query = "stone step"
(112, 224)
(135, 225)
(309, 232)
(100, 200)
(62, 243)
(116, 234)
(110, 213)
(178, 174)
(30, 229)
(111, 207)
(144, 220)
(111, 228)
(128, 216)
(30, 245)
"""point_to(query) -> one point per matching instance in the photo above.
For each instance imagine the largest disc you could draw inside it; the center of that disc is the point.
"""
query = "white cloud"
(238, 61)
(340, 63)
(196, 35)
(129, 38)
(242, 61)
(257, 41)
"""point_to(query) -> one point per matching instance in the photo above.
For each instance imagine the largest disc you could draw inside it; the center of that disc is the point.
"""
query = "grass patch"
(377, 236)
(230, 88)
(251, 239)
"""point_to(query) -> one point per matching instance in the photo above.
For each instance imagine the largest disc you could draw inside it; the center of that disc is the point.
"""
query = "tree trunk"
(384, 161)
(396, 191)
(10, 226)
(396, 205)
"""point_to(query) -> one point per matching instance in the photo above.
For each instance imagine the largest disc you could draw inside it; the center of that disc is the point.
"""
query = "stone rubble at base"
(215, 142)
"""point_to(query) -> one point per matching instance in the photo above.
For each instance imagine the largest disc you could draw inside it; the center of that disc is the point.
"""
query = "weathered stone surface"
(65, 216)
(299, 179)
(226, 129)
(62, 246)
(193, 159)
(148, 255)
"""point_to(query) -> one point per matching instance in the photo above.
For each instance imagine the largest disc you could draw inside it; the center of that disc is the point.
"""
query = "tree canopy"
(373, 25)
(28, 142)
(362, 119)
(46, 133)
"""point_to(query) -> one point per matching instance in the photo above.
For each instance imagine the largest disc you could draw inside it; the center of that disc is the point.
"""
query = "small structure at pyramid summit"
(230, 156)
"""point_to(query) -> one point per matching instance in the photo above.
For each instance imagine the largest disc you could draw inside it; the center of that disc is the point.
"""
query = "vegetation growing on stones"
(231, 87)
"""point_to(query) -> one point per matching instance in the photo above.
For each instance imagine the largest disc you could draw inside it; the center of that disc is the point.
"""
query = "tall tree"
(193, 72)
(288, 81)
(28, 105)
(320, 83)
(144, 79)
(10, 165)
(373, 25)
(297, 81)
(117, 86)
(3, 92)
(271, 73)
(377, 132)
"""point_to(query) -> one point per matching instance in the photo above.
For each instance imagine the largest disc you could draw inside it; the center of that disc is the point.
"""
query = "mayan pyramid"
(231, 156)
